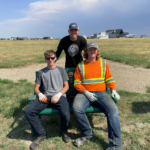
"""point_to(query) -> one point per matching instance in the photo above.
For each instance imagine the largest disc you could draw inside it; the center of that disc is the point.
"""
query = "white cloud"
(40, 8)
(14, 21)
(42, 12)
(39, 12)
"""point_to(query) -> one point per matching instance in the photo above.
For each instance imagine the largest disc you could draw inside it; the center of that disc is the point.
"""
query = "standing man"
(54, 80)
(90, 78)
(72, 45)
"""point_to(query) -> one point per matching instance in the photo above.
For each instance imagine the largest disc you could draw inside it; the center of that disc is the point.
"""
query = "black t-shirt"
(72, 49)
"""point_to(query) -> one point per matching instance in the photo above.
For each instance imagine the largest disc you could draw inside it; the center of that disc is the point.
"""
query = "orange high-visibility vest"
(93, 76)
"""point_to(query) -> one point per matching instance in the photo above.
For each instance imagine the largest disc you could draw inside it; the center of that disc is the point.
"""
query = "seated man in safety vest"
(90, 78)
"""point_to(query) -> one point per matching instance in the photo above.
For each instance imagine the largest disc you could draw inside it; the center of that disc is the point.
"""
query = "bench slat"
(53, 110)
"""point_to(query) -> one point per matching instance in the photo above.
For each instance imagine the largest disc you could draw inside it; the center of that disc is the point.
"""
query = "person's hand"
(91, 96)
(42, 98)
(56, 98)
(115, 95)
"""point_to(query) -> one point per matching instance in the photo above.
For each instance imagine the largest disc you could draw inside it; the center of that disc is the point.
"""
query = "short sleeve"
(39, 78)
(65, 76)
(63, 73)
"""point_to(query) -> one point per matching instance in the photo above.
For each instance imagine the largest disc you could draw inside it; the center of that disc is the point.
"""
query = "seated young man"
(54, 80)
(90, 77)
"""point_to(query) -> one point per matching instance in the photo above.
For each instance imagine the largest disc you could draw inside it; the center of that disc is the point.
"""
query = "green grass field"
(132, 51)
(134, 110)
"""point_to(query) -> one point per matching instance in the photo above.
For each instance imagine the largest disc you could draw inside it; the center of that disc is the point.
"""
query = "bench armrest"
(31, 98)
(115, 100)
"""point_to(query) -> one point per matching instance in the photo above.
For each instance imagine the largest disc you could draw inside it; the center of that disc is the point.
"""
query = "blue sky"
(41, 18)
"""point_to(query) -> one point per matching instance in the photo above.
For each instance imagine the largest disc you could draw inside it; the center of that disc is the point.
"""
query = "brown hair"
(49, 53)
(85, 55)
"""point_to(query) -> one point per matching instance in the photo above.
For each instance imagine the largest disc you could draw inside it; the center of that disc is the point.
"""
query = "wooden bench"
(70, 96)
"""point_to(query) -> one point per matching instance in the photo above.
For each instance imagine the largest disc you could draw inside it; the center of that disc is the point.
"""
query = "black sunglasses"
(47, 58)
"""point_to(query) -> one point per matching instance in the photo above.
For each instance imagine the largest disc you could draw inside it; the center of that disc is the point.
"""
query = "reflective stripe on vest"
(82, 71)
(103, 65)
(76, 82)
(93, 80)
(110, 80)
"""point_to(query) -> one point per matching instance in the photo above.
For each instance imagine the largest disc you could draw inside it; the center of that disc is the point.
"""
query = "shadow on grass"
(51, 124)
(141, 107)
(18, 113)
(19, 124)
(100, 142)
(52, 127)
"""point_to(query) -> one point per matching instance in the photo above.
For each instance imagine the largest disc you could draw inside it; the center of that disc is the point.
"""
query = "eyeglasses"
(47, 58)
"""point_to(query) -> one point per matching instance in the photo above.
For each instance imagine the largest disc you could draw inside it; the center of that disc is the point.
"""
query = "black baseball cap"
(73, 26)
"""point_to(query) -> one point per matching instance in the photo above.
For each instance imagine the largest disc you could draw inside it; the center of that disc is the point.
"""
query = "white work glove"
(56, 98)
(115, 95)
(91, 96)
(42, 98)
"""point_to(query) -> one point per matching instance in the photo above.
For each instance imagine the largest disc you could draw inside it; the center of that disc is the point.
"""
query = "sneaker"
(65, 136)
(80, 141)
(37, 141)
(114, 148)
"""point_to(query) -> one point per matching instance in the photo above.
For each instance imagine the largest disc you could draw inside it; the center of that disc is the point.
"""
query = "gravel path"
(127, 77)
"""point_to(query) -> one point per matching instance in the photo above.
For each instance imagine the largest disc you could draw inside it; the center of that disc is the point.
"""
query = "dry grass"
(20, 53)
(132, 51)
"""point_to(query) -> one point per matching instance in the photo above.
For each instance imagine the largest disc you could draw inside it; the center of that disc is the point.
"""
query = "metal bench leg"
(32, 132)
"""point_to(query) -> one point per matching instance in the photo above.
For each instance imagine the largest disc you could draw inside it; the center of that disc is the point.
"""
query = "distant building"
(95, 36)
(32, 39)
(38, 38)
(104, 35)
(45, 38)
(92, 36)
(115, 33)
(12, 38)
(143, 35)
(130, 36)
(21, 38)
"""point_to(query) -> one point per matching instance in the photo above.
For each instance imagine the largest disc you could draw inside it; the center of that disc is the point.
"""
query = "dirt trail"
(127, 77)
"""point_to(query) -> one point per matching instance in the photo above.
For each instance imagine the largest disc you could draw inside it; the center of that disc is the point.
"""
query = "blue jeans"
(107, 105)
(37, 106)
